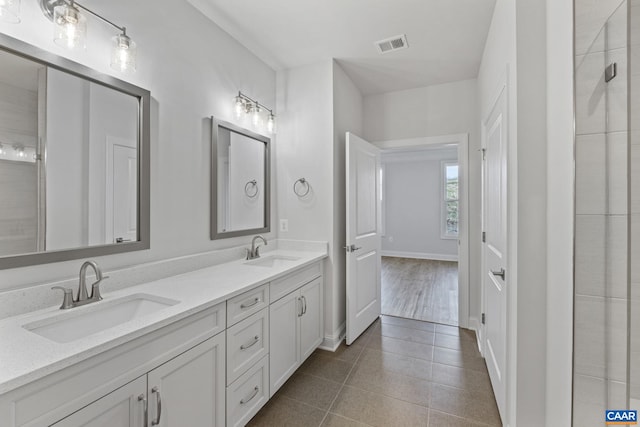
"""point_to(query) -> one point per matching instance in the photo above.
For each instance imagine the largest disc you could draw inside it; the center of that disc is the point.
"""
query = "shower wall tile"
(590, 241)
(634, 260)
(590, 18)
(589, 397)
(617, 93)
(590, 340)
(590, 94)
(617, 395)
(617, 340)
(590, 173)
(616, 28)
(635, 174)
(601, 173)
(634, 354)
(601, 255)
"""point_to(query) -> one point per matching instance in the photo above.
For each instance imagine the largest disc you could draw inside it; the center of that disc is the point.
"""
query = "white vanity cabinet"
(296, 330)
(124, 407)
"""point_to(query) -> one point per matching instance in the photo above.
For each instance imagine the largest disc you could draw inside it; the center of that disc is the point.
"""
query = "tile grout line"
(355, 362)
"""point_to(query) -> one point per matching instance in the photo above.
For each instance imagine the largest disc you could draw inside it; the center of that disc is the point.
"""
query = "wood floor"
(420, 289)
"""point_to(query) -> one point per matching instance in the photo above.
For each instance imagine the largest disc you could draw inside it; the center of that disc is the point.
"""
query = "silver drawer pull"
(255, 301)
(251, 344)
(142, 398)
(250, 398)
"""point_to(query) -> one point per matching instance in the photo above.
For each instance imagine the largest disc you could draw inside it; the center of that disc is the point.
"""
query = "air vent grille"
(392, 43)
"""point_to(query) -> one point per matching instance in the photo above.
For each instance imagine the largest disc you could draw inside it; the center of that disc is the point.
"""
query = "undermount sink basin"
(273, 261)
(71, 325)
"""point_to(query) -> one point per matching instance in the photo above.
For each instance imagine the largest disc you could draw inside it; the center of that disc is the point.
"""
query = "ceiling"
(446, 37)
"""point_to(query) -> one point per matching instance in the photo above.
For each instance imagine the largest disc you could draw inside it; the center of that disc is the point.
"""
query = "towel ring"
(303, 182)
(253, 183)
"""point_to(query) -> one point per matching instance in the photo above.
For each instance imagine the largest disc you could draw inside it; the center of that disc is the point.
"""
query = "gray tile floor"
(400, 372)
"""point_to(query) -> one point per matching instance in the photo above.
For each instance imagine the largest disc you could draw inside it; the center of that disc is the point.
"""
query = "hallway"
(400, 372)
(420, 289)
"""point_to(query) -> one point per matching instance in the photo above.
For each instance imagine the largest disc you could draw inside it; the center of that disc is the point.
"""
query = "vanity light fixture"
(70, 31)
(247, 106)
(10, 11)
(20, 151)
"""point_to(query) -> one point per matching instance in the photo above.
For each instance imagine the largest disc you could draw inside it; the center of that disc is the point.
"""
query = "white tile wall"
(590, 94)
(590, 18)
(617, 95)
(589, 397)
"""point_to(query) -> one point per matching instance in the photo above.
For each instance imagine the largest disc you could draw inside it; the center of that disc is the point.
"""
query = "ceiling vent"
(392, 43)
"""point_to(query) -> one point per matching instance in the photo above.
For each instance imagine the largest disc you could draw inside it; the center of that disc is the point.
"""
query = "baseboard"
(420, 255)
(332, 342)
(476, 326)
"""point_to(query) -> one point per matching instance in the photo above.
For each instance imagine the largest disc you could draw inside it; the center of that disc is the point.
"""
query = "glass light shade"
(271, 123)
(257, 117)
(69, 27)
(239, 109)
(123, 53)
(10, 11)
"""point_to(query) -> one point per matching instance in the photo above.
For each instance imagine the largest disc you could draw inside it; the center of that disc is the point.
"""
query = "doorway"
(424, 226)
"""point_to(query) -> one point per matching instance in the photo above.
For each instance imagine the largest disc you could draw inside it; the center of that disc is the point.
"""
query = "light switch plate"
(284, 225)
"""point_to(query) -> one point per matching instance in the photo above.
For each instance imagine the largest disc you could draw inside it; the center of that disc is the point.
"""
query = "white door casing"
(363, 229)
(494, 248)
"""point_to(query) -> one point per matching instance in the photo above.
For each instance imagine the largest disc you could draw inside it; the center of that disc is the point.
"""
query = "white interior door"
(495, 248)
(363, 235)
(122, 186)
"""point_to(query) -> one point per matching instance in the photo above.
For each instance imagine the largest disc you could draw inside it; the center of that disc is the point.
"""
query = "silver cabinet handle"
(158, 407)
(255, 301)
(300, 313)
(500, 273)
(250, 398)
(143, 399)
(251, 344)
(304, 305)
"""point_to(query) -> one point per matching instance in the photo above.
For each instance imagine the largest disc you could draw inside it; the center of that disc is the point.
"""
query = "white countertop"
(26, 356)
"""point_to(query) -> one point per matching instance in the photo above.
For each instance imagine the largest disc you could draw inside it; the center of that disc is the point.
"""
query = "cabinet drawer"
(281, 287)
(247, 342)
(244, 305)
(248, 394)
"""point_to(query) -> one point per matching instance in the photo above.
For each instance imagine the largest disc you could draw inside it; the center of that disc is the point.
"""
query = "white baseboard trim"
(332, 342)
(476, 326)
(420, 255)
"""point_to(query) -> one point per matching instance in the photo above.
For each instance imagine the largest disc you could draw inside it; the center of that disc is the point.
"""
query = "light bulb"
(257, 118)
(123, 53)
(10, 11)
(271, 123)
(69, 27)
(239, 107)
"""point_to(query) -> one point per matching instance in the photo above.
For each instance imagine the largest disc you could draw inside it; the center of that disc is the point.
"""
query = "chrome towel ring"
(247, 188)
(301, 192)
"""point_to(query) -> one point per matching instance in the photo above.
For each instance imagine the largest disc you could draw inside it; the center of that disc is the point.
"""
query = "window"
(449, 200)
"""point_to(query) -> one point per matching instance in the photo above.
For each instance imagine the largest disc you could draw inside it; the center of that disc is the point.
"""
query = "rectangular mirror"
(239, 181)
(74, 160)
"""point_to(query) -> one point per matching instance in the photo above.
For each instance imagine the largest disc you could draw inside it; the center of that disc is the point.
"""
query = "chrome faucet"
(254, 252)
(82, 296)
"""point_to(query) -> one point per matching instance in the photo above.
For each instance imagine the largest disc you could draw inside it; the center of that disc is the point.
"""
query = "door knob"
(352, 248)
(500, 273)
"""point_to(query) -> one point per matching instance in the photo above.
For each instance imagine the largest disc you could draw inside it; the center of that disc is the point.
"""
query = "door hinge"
(484, 237)
(483, 319)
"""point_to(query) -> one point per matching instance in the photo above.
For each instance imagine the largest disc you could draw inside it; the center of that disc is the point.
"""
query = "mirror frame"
(49, 59)
(215, 234)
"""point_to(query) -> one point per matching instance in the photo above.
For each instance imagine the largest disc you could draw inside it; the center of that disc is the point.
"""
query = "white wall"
(412, 198)
(193, 70)
(445, 109)
(519, 52)
(305, 150)
(347, 117)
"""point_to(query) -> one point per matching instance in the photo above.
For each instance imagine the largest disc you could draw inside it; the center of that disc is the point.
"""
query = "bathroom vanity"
(206, 348)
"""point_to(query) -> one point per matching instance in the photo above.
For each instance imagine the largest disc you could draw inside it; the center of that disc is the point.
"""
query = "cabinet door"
(284, 351)
(311, 323)
(123, 407)
(189, 390)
